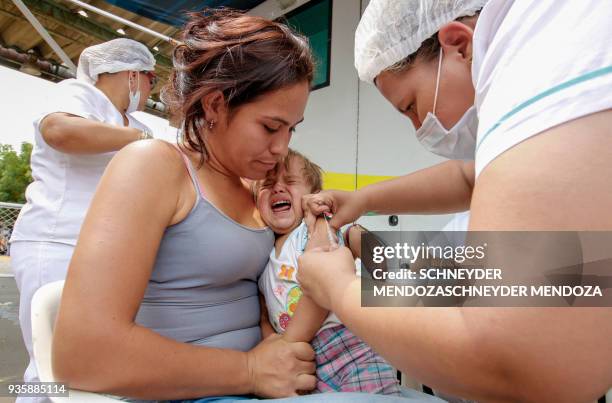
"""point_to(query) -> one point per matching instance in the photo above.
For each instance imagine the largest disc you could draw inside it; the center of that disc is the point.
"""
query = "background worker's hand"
(323, 274)
(280, 369)
(346, 207)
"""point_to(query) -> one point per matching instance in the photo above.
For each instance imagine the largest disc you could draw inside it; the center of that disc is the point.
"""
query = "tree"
(15, 172)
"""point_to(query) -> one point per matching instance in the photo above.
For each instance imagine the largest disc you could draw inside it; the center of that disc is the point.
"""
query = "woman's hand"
(278, 368)
(323, 275)
(346, 207)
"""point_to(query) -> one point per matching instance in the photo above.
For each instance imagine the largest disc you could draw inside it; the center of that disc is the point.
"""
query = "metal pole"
(43, 32)
(124, 21)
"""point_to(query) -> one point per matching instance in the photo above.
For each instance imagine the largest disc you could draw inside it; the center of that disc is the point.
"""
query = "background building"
(349, 128)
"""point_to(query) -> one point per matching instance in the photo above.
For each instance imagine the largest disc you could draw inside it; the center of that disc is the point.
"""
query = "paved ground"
(5, 266)
(13, 355)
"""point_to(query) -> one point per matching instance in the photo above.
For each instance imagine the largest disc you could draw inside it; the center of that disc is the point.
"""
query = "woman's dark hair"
(240, 55)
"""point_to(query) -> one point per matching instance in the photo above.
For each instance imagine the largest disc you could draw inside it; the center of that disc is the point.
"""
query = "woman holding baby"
(173, 311)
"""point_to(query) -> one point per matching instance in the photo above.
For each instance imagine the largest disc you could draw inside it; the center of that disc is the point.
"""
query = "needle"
(330, 235)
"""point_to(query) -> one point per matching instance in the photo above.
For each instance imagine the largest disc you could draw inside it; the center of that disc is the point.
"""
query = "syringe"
(330, 235)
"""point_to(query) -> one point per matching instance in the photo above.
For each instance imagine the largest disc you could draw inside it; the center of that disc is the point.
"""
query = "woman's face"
(256, 136)
(412, 90)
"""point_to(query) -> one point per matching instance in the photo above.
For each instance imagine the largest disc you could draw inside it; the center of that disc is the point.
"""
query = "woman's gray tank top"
(203, 288)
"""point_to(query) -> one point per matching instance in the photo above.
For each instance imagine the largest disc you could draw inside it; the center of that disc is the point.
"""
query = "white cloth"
(35, 264)
(279, 285)
(538, 64)
(64, 184)
(48, 225)
(459, 223)
(455, 230)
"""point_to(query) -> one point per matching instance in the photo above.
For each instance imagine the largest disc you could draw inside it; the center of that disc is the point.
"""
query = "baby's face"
(279, 198)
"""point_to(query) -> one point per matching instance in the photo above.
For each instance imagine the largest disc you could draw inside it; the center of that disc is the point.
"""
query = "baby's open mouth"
(281, 205)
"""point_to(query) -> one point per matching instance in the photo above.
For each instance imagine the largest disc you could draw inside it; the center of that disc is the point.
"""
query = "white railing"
(8, 216)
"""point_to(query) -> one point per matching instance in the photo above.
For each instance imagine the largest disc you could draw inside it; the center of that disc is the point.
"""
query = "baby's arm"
(264, 321)
(309, 316)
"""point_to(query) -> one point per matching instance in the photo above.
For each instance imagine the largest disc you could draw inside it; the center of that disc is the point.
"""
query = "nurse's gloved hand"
(346, 207)
(278, 368)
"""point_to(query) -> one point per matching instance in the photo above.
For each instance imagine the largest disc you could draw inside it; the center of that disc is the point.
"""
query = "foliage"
(15, 172)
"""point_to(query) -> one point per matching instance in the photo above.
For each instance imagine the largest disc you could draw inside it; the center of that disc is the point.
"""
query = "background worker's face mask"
(134, 96)
(457, 143)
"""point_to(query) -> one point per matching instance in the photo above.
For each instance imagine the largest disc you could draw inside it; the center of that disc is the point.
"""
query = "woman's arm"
(97, 345)
(443, 188)
(502, 354)
(72, 134)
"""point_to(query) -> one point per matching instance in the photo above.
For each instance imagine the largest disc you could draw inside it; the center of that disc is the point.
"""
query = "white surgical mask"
(457, 143)
(134, 96)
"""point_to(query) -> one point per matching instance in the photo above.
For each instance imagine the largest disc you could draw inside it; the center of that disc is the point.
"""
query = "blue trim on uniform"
(555, 89)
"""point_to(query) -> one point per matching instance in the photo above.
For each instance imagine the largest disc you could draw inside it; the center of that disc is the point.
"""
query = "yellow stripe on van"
(341, 181)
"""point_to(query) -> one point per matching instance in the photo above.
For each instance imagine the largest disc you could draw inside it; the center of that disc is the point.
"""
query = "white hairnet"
(391, 30)
(120, 54)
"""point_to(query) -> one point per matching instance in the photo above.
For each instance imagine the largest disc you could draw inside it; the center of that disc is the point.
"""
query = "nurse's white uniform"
(48, 226)
(538, 64)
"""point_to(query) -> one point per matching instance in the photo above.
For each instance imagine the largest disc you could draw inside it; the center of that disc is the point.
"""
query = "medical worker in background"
(535, 77)
(87, 121)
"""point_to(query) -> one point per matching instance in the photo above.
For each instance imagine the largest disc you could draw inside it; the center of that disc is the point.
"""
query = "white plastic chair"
(45, 304)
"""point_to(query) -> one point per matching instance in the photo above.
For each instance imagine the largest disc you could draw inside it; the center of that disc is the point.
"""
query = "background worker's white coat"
(46, 231)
